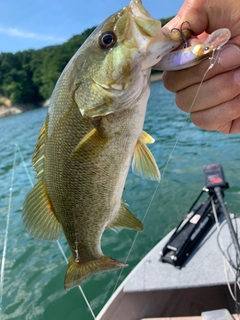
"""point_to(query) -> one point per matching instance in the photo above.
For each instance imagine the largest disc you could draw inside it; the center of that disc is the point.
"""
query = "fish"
(92, 132)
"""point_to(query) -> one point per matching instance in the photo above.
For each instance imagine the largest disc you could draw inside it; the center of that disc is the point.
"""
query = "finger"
(197, 13)
(228, 59)
(205, 16)
(212, 92)
(224, 118)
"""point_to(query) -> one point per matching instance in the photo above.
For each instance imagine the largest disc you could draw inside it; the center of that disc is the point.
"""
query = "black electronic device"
(214, 176)
(198, 221)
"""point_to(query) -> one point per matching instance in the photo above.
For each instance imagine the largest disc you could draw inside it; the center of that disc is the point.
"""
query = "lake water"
(32, 287)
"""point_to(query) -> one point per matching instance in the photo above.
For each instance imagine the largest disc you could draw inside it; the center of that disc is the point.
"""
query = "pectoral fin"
(125, 219)
(38, 216)
(146, 138)
(90, 146)
(144, 164)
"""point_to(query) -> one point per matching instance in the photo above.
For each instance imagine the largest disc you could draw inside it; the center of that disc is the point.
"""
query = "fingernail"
(237, 76)
(229, 56)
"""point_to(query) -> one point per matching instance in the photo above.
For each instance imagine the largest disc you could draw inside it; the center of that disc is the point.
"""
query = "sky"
(34, 24)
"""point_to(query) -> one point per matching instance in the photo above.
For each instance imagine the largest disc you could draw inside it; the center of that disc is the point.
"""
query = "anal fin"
(38, 217)
(125, 219)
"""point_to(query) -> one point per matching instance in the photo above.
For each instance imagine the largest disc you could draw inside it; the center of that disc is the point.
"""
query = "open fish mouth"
(146, 33)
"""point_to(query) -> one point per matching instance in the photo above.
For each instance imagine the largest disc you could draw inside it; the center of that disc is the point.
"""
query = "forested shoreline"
(28, 77)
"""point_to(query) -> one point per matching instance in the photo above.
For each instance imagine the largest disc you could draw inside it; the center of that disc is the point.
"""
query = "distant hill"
(28, 77)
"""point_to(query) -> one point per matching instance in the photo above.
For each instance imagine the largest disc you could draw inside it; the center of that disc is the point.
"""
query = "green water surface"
(32, 286)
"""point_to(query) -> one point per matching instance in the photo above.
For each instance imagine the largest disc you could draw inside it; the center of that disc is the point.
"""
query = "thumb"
(203, 15)
(193, 12)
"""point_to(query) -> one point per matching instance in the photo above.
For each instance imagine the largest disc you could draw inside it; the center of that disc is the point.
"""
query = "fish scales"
(92, 131)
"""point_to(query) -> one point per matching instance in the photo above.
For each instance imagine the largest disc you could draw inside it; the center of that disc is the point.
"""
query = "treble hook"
(182, 33)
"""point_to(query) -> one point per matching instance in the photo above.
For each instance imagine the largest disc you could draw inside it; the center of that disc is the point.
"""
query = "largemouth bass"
(92, 130)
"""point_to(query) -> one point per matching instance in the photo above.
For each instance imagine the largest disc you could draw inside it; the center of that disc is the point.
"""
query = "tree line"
(29, 76)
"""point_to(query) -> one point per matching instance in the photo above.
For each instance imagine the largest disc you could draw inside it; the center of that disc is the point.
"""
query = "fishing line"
(24, 164)
(213, 61)
(6, 231)
(58, 243)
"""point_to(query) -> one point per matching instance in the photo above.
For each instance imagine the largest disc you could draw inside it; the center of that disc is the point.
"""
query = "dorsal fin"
(38, 216)
(38, 156)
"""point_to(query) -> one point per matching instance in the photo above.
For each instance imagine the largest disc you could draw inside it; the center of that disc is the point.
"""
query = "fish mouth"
(141, 15)
(147, 34)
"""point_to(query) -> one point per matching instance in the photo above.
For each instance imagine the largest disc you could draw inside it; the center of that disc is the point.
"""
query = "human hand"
(217, 106)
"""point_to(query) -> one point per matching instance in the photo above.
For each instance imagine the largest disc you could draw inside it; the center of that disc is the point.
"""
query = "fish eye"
(107, 39)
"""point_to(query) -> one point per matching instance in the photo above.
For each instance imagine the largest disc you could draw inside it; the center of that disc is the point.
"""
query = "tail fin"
(79, 271)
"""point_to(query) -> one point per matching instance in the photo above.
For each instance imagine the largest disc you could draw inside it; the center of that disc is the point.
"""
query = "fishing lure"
(190, 56)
